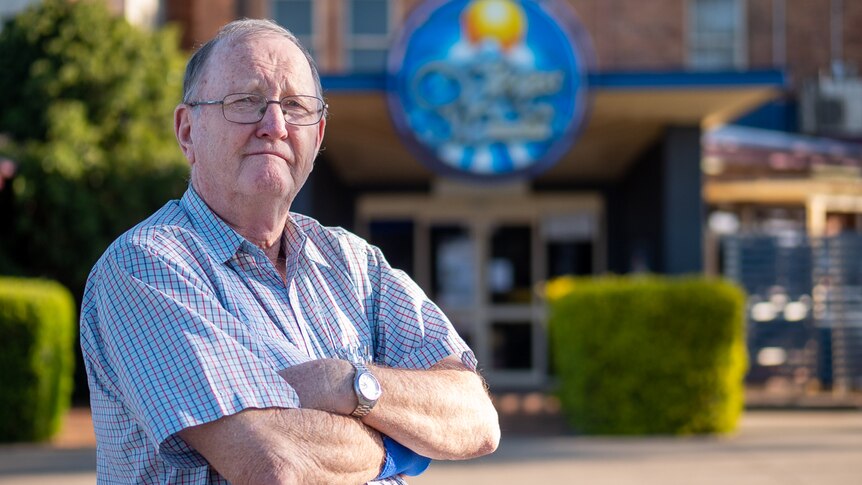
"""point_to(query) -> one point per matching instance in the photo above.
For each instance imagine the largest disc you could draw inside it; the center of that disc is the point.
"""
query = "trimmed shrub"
(37, 324)
(649, 355)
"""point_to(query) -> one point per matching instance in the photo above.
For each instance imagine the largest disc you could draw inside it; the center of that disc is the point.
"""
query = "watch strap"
(363, 407)
(361, 411)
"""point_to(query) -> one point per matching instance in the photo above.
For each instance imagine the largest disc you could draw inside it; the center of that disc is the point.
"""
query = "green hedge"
(649, 355)
(37, 325)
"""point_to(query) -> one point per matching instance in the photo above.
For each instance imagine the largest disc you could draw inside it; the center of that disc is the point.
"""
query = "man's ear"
(321, 128)
(183, 131)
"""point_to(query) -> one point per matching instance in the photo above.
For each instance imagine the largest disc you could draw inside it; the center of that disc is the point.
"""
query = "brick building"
(703, 117)
(801, 36)
(630, 195)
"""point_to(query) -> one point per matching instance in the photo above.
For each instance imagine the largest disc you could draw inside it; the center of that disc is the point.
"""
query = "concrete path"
(771, 448)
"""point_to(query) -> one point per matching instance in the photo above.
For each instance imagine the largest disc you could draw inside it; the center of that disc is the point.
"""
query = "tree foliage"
(86, 113)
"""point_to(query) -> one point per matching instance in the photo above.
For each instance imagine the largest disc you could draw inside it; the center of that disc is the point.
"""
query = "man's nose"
(272, 124)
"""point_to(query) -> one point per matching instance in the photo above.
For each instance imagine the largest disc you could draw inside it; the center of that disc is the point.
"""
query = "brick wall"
(200, 19)
(807, 33)
(852, 31)
(761, 53)
(807, 37)
(626, 34)
(633, 34)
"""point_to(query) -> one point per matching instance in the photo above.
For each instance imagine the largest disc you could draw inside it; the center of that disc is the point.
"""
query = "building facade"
(704, 119)
(657, 158)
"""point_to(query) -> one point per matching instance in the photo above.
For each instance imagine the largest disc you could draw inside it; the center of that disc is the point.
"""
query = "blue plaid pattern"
(184, 322)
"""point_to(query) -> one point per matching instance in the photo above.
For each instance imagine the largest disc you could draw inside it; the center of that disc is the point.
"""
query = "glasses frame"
(321, 112)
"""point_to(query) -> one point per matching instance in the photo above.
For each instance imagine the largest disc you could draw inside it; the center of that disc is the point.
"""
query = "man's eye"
(245, 102)
(292, 104)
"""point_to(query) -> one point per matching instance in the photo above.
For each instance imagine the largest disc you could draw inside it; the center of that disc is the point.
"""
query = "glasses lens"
(244, 108)
(302, 110)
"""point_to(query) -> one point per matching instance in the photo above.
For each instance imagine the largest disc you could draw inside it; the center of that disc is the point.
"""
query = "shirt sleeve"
(176, 356)
(412, 331)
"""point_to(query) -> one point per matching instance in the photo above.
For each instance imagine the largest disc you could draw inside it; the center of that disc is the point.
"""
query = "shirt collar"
(293, 240)
(221, 238)
(224, 241)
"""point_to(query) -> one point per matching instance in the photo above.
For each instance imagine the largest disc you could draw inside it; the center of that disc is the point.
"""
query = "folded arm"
(288, 446)
(443, 413)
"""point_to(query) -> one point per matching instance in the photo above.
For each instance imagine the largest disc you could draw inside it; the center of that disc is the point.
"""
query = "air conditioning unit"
(832, 107)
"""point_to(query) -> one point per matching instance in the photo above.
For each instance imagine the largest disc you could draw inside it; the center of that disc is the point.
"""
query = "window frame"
(694, 41)
(365, 42)
(311, 41)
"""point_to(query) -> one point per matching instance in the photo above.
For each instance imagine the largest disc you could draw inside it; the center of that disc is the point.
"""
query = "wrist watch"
(367, 389)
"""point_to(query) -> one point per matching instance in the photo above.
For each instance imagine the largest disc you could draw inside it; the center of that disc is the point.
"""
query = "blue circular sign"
(489, 89)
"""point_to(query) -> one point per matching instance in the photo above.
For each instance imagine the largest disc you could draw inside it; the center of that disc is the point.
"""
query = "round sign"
(489, 89)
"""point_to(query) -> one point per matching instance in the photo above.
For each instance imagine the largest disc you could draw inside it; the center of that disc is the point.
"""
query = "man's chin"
(263, 191)
(272, 184)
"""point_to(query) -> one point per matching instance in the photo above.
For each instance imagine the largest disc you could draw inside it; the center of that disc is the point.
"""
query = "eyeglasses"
(246, 108)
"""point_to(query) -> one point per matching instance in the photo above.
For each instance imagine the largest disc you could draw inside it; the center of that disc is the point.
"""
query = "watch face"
(369, 387)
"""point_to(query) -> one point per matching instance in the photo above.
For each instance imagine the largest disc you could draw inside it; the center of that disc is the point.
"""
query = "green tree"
(86, 112)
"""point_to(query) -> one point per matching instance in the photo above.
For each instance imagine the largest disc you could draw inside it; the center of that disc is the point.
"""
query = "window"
(717, 34)
(368, 25)
(298, 17)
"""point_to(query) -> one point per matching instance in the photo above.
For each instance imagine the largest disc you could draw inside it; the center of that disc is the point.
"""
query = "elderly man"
(227, 339)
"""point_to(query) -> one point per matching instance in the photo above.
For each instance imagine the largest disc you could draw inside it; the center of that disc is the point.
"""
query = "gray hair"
(236, 31)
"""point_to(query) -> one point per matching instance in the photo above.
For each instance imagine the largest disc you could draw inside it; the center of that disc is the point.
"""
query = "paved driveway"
(771, 448)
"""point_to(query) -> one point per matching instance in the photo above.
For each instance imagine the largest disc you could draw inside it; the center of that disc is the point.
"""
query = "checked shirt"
(184, 322)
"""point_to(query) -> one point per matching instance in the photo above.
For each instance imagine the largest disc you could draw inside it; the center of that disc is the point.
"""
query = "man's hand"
(324, 384)
(289, 446)
(443, 413)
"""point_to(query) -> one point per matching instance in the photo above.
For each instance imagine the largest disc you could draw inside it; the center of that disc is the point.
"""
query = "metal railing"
(804, 311)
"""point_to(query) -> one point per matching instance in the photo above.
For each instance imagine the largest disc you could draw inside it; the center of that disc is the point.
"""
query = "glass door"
(485, 265)
(513, 324)
(453, 265)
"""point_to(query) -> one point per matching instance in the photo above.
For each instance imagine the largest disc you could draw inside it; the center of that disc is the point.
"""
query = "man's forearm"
(291, 446)
(443, 413)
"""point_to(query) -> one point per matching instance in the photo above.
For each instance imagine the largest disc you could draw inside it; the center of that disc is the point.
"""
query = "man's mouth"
(267, 152)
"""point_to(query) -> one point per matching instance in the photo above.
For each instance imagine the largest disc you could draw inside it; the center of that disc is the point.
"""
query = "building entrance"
(484, 258)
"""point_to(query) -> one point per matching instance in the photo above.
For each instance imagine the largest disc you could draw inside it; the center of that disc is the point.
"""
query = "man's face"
(231, 162)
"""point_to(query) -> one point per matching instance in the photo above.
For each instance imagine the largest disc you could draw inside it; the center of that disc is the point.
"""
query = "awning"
(756, 166)
(629, 113)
